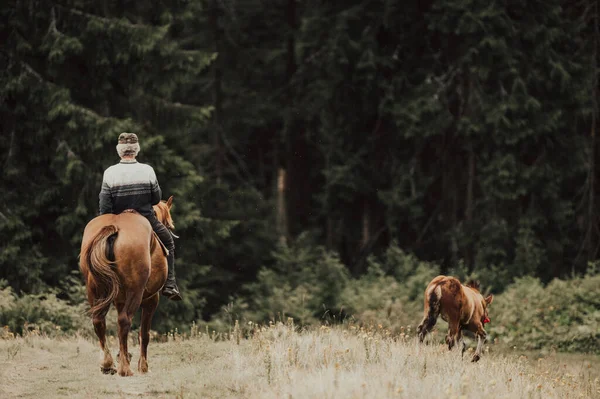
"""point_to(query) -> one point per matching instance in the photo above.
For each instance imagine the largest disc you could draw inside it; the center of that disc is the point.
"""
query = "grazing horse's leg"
(453, 334)
(464, 345)
(481, 338)
(148, 308)
(460, 339)
(100, 329)
(126, 311)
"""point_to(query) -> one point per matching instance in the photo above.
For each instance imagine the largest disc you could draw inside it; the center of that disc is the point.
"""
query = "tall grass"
(282, 361)
(372, 362)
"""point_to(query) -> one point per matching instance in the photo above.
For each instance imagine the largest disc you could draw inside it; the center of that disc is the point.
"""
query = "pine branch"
(112, 21)
(35, 74)
(72, 107)
(10, 149)
(152, 99)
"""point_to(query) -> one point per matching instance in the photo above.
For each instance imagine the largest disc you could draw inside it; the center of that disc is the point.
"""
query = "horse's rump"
(452, 299)
(132, 231)
(115, 257)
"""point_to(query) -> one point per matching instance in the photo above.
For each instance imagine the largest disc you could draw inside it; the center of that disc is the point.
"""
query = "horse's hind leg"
(99, 321)
(461, 339)
(454, 334)
(126, 311)
(148, 308)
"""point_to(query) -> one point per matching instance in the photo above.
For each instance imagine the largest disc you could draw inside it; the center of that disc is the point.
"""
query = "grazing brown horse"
(461, 306)
(123, 262)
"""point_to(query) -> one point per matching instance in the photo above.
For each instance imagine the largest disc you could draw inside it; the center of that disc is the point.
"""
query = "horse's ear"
(170, 202)
(489, 299)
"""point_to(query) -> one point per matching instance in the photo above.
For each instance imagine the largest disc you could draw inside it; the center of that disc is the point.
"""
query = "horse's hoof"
(142, 367)
(476, 358)
(125, 373)
(108, 370)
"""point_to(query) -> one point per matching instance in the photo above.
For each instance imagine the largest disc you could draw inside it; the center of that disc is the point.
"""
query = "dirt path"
(39, 367)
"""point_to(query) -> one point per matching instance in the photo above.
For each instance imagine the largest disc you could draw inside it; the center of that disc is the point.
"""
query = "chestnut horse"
(461, 306)
(123, 262)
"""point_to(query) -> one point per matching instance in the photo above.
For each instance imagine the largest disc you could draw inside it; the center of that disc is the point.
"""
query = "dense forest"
(297, 135)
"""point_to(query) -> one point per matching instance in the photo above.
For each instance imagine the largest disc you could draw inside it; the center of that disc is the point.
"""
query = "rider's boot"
(170, 289)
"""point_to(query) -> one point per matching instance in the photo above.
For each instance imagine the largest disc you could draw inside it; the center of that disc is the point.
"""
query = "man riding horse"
(133, 185)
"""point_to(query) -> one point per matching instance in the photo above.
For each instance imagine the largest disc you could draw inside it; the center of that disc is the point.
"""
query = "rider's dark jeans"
(163, 233)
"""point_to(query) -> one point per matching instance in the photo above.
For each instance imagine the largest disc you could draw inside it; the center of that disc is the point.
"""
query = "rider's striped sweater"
(129, 185)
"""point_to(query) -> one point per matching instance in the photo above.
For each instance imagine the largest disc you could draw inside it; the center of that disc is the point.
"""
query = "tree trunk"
(217, 93)
(366, 225)
(291, 129)
(591, 246)
(329, 239)
(469, 207)
(282, 224)
(291, 39)
(454, 218)
(262, 173)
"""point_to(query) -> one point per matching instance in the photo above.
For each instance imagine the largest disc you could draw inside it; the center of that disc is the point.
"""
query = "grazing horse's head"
(474, 285)
(485, 303)
(163, 213)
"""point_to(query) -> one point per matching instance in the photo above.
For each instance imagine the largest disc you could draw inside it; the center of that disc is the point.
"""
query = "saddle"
(156, 237)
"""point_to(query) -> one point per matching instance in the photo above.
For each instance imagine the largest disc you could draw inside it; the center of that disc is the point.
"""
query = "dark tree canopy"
(462, 131)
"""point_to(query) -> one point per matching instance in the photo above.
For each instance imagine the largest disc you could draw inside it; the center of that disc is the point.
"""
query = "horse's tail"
(433, 296)
(97, 256)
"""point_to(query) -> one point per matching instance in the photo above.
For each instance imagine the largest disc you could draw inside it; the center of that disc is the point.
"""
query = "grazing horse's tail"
(434, 303)
(106, 281)
(434, 295)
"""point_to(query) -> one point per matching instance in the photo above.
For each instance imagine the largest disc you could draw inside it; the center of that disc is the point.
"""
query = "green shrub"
(564, 315)
(394, 299)
(304, 283)
(43, 312)
(311, 285)
(46, 313)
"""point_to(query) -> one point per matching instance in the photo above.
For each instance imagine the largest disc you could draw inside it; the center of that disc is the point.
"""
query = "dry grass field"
(278, 361)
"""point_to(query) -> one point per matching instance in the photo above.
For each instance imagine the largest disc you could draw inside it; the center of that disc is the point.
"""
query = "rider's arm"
(106, 205)
(156, 192)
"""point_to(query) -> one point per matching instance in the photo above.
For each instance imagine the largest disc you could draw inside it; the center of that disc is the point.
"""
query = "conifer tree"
(77, 74)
